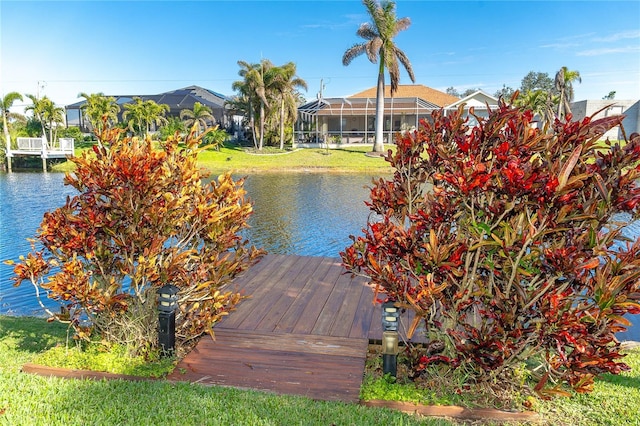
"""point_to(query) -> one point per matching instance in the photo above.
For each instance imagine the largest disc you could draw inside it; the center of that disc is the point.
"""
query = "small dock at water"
(304, 330)
(40, 147)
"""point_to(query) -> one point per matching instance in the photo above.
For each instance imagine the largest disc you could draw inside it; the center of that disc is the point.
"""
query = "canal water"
(294, 213)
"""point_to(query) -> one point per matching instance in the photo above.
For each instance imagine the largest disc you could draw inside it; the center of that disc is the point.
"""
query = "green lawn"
(27, 399)
(239, 160)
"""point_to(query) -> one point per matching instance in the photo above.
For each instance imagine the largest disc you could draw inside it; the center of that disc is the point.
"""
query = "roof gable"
(428, 94)
(478, 99)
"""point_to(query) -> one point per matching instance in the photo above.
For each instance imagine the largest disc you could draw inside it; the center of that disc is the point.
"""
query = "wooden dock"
(304, 330)
(40, 147)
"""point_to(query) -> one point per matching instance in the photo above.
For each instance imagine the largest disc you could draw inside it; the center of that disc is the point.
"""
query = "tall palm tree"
(379, 45)
(244, 102)
(285, 84)
(6, 103)
(100, 110)
(259, 80)
(564, 85)
(199, 116)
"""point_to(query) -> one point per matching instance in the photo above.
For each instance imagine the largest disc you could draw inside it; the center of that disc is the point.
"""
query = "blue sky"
(60, 49)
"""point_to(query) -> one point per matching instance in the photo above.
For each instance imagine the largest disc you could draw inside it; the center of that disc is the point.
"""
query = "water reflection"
(306, 214)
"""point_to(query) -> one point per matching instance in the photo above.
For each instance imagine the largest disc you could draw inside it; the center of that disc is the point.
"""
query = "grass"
(102, 356)
(615, 400)
(241, 160)
(27, 399)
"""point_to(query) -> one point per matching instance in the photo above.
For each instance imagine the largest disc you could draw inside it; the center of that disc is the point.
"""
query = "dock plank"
(311, 366)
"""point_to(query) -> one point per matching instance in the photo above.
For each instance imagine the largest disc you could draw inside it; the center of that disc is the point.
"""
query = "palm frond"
(353, 52)
(373, 49)
(367, 32)
(404, 60)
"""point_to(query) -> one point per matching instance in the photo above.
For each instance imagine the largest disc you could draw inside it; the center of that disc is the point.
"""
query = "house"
(352, 119)
(606, 108)
(177, 100)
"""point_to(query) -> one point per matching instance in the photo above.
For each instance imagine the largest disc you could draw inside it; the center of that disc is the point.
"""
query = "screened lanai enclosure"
(335, 121)
(352, 120)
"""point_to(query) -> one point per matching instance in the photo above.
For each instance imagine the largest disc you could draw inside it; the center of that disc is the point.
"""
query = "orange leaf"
(568, 167)
(590, 264)
(414, 326)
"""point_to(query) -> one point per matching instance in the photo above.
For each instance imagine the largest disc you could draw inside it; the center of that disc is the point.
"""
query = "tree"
(48, 114)
(246, 100)
(610, 96)
(564, 87)
(142, 218)
(540, 103)
(241, 103)
(199, 117)
(100, 110)
(285, 84)
(142, 114)
(6, 103)
(536, 81)
(134, 116)
(469, 92)
(505, 93)
(172, 126)
(379, 46)
(155, 114)
(453, 91)
(259, 80)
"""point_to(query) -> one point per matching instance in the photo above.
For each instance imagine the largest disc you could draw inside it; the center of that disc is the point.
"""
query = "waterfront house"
(177, 100)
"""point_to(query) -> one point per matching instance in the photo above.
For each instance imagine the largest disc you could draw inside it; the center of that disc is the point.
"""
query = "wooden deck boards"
(303, 330)
(318, 367)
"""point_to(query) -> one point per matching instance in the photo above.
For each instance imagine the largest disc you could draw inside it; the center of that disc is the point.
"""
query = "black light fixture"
(167, 306)
(390, 317)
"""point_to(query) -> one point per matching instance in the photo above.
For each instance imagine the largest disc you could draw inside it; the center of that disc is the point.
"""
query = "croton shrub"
(506, 242)
(143, 217)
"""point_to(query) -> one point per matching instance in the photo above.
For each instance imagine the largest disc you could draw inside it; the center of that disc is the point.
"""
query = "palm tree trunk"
(50, 133)
(7, 136)
(261, 125)
(252, 124)
(282, 123)
(378, 143)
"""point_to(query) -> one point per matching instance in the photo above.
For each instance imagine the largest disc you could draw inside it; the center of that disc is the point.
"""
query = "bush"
(71, 132)
(504, 241)
(143, 218)
(214, 137)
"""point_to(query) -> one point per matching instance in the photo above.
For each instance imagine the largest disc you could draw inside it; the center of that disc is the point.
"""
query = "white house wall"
(607, 108)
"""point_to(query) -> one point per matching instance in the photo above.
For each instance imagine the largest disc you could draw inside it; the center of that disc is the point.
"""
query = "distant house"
(177, 100)
(606, 108)
(352, 119)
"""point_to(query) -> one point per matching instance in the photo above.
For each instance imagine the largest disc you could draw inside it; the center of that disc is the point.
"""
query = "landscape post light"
(390, 317)
(167, 306)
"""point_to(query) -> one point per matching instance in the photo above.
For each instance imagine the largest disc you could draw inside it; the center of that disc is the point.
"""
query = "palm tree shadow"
(32, 334)
(618, 380)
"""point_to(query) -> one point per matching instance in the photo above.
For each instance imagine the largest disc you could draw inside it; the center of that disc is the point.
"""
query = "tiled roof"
(176, 99)
(412, 91)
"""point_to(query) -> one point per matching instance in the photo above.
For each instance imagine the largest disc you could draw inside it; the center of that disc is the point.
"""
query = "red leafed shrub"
(143, 218)
(503, 239)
